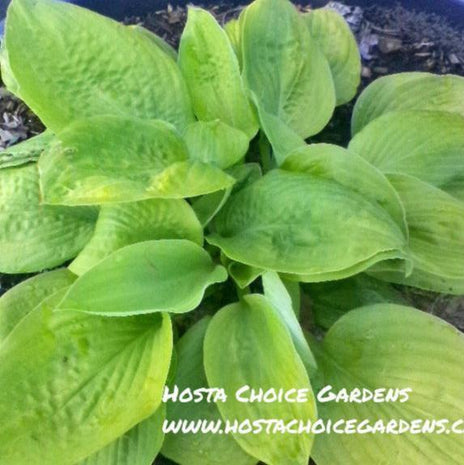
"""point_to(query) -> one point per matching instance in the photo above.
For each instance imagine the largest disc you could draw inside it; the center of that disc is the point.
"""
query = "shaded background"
(119, 9)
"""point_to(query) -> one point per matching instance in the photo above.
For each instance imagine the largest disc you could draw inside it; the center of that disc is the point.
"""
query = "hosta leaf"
(278, 296)
(34, 236)
(198, 448)
(216, 143)
(26, 151)
(436, 225)
(127, 223)
(16, 303)
(108, 159)
(331, 300)
(8, 78)
(333, 35)
(301, 224)
(294, 291)
(285, 68)
(208, 206)
(153, 276)
(349, 170)
(252, 328)
(243, 275)
(190, 179)
(112, 159)
(70, 383)
(138, 446)
(427, 145)
(157, 40)
(392, 347)
(281, 136)
(245, 175)
(71, 63)
(212, 73)
(408, 91)
(232, 29)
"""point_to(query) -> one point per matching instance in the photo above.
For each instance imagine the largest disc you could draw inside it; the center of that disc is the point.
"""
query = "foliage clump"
(148, 154)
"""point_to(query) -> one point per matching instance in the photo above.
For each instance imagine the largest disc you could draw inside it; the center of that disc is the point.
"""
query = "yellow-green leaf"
(333, 35)
(35, 236)
(157, 40)
(212, 73)
(306, 225)
(247, 345)
(198, 448)
(428, 145)
(232, 29)
(109, 159)
(285, 68)
(71, 63)
(25, 152)
(392, 347)
(216, 143)
(71, 383)
(278, 296)
(190, 179)
(436, 226)
(138, 446)
(327, 161)
(168, 275)
(127, 223)
(408, 91)
(20, 300)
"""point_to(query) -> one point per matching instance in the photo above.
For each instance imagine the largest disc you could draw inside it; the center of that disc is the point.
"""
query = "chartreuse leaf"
(20, 300)
(190, 179)
(34, 236)
(212, 73)
(232, 29)
(70, 63)
(8, 78)
(306, 225)
(251, 327)
(427, 145)
(393, 347)
(408, 91)
(333, 35)
(436, 225)
(207, 206)
(112, 159)
(280, 135)
(294, 291)
(331, 300)
(153, 276)
(157, 40)
(70, 383)
(138, 446)
(285, 68)
(215, 142)
(278, 296)
(351, 171)
(243, 275)
(25, 152)
(127, 223)
(198, 448)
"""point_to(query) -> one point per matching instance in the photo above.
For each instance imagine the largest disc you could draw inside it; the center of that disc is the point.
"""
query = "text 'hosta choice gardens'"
(182, 229)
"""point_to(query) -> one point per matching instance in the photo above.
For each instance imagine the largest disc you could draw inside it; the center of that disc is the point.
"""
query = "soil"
(391, 40)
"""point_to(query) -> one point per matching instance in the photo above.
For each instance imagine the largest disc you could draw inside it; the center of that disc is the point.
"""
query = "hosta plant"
(184, 215)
